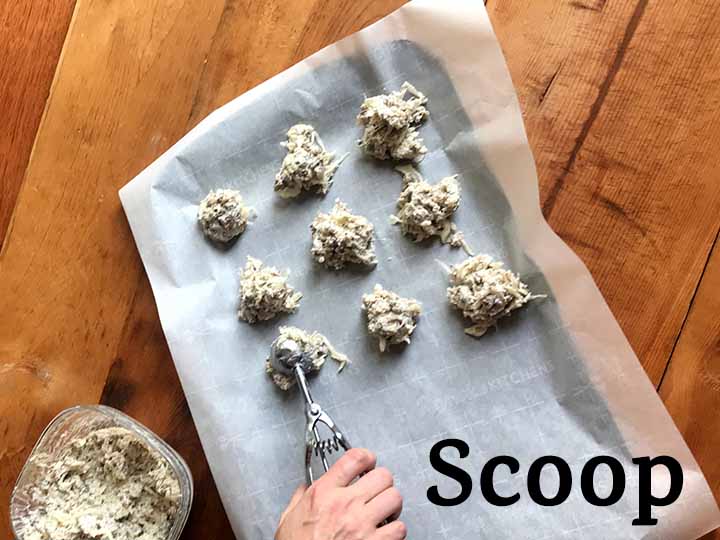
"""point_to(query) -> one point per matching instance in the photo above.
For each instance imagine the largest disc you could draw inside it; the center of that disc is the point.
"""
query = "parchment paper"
(558, 377)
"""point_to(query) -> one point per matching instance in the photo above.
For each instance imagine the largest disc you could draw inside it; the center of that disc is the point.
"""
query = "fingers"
(352, 464)
(373, 483)
(392, 531)
(387, 504)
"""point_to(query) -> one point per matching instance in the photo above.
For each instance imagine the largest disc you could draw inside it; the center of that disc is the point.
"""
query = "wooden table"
(622, 105)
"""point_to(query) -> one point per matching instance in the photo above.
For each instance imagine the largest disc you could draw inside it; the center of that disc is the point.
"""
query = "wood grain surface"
(621, 106)
(691, 387)
(31, 36)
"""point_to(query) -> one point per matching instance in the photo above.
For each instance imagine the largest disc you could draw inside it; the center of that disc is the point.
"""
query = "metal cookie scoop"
(287, 357)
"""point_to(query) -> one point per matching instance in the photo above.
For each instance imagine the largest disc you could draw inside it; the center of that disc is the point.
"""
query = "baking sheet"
(558, 377)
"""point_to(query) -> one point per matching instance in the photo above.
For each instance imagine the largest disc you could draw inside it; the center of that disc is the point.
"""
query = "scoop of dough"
(307, 165)
(265, 292)
(340, 238)
(390, 124)
(222, 215)
(314, 345)
(485, 292)
(391, 318)
(425, 210)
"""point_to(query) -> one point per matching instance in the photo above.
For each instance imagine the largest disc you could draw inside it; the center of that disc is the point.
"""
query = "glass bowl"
(78, 422)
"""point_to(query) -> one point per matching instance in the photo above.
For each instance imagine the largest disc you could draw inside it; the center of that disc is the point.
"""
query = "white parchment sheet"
(558, 377)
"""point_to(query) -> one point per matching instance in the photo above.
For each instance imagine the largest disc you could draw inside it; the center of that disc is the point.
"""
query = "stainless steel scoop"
(287, 357)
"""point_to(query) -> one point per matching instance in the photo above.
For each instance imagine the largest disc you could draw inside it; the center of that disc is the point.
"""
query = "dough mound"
(391, 318)
(425, 210)
(485, 292)
(222, 215)
(265, 292)
(341, 238)
(307, 164)
(315, 345)
(390, 123)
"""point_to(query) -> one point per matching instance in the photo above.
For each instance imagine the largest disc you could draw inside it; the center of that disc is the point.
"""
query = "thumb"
(299, 492)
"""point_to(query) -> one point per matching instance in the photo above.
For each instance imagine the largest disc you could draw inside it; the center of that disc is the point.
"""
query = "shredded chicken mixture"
(425, 210)
(307, 166)
(340, 238)
(265, 292)
(314, 345)
(222, 215)
(108, 485)
(485, 292)
(391, 318)
(390, 124)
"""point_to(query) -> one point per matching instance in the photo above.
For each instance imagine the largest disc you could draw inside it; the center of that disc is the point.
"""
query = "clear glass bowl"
(78, 422)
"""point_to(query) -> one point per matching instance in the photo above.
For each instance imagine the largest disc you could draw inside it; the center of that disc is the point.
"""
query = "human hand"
(332, 509)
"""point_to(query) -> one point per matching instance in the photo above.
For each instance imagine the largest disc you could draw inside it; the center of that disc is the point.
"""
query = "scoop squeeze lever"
(287, 357)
